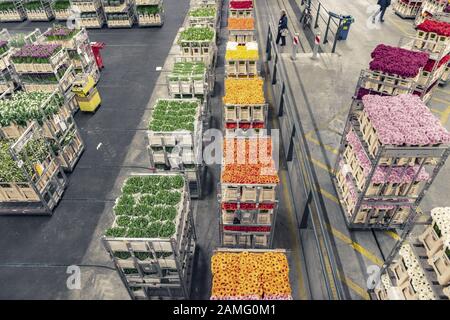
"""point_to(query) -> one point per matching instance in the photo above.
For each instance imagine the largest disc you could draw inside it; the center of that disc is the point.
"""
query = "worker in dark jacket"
(282, 28)
(384, 4)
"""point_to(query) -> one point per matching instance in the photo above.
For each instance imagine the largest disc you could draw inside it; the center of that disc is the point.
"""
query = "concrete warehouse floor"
(323, 91)
(37, 250)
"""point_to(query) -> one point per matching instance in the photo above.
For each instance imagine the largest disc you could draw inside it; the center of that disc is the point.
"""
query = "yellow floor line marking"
(321, 165)
(357, 247)
(290, 210)
(393, 235)
(356, 288)
(440, 100)
(314, 140)
(295, 238)
(443, 91)
(329, 196)
(437, 111)
(399, 27)
(444, 117)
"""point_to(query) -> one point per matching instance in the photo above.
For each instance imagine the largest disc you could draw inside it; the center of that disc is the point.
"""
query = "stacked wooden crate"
(385, 167)
(248, 204)
(407, 9)
(421, 268)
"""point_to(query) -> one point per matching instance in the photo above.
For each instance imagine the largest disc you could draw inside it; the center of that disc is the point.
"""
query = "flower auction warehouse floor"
(35, 251)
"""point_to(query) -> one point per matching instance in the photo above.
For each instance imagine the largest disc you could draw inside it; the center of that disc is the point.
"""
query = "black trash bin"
(345, 27)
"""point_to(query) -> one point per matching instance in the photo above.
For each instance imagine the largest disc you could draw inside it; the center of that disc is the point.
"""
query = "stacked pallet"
(43, 67)
(8, 77)
(241, 30)
(409, 69)
(241, 9)
(421, 268)
(149, 13)
(244, 104)
(241, 60)
(12, 11)
(392, 149)
(430, 8)
(407, 9)
(77, 44)
(250, 275)
(31, 177)
(91, 11)
(54, 113)
(248, 204)
(62, 9)
(189, 80)
(38, 10)
(198, 44)
(119, 13)
(175, 139)
(204, 16)
(152, 240)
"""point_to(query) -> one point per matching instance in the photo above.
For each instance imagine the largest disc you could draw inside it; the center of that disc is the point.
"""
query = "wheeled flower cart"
(149, 13)
(175, 139)
(38, 10)
(12, 11)
(152, 240)
(382, 172)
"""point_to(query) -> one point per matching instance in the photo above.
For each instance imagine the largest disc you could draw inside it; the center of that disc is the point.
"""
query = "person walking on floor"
(384, 4)
(282, 28)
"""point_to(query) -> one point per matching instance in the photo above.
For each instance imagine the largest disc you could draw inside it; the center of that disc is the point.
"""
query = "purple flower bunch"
(59, 32)
(398, 61)
(3, 46)
(384, 174)
(404, 119)
(39, 53)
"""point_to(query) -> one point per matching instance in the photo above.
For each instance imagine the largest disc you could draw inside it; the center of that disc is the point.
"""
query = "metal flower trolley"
(91, 13)
(381, 185)
(12, 10)
(36, 180)
(119, 13)
(419, 267)
(62, 10)
(198, 44)
(77, 44)
(149, 13)
(247, 200)
(152, 241)
(175, 139)
(38, 10)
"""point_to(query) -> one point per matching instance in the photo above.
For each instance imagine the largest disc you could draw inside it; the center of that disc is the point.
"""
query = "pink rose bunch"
(402, 62)
(404, 119)
(396, 175)
(353, 193)
(363, 91)
(442, 28)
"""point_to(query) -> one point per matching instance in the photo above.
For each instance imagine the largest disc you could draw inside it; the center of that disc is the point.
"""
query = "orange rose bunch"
(244, 91)
(248, 161)
(250, 276)
(241, 24)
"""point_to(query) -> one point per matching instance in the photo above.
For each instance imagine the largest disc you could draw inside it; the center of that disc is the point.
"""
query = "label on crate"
(20, 163)
(39, 168)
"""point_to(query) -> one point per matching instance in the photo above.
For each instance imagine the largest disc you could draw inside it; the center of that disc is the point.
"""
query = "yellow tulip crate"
(241, 60)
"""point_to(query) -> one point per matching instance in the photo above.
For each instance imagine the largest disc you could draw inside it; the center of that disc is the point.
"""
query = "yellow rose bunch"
(244, 91)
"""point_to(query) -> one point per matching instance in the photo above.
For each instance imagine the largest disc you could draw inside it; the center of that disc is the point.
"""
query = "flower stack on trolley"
(420, 270)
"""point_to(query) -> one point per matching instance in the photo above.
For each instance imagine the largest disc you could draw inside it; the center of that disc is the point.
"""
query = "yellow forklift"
(86, 93)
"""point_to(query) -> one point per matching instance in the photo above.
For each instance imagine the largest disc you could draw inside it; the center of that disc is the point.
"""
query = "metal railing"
(292, 131)
(324, 20)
